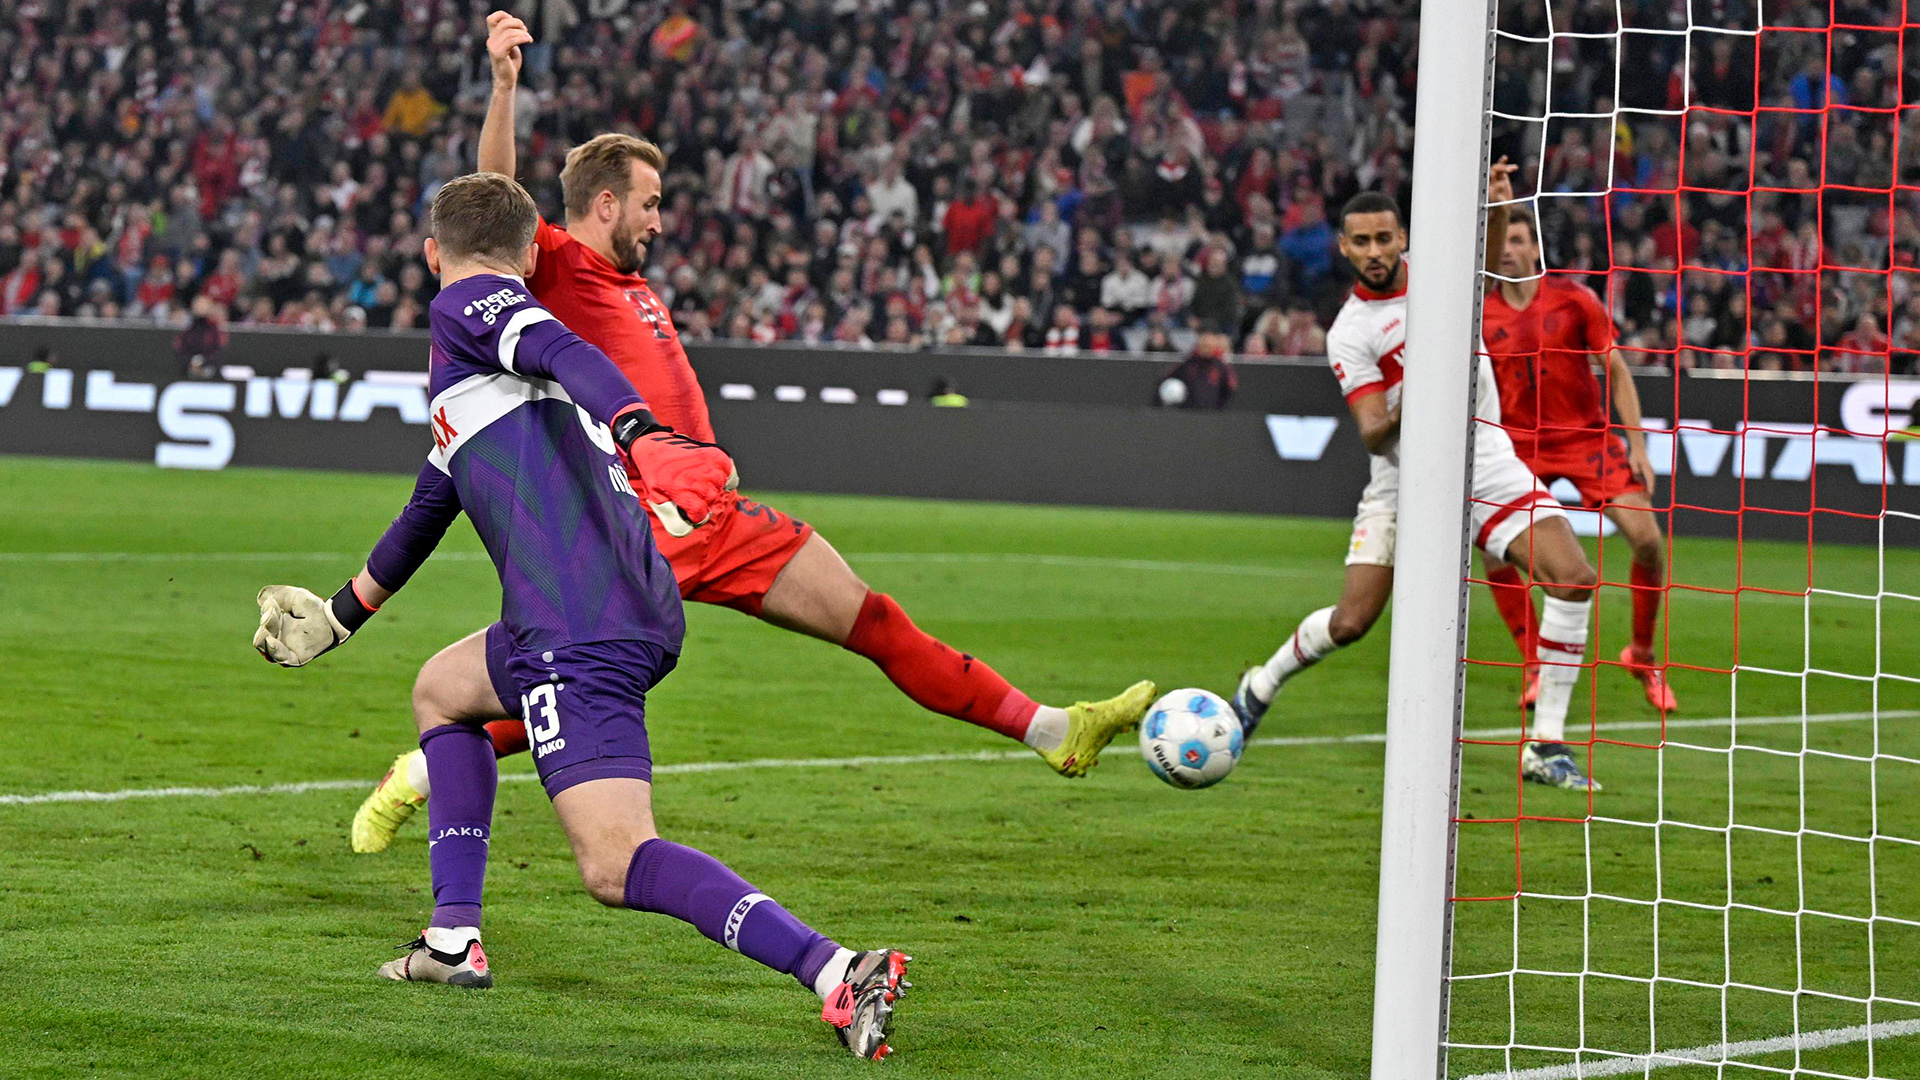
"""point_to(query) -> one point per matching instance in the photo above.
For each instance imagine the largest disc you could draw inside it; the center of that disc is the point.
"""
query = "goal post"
(1737, 184)
(1447, 237)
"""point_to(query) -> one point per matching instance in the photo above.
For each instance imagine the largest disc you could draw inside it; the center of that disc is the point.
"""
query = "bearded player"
(1513, 516)
(745, 555)
(1544, 334)
(532, 429)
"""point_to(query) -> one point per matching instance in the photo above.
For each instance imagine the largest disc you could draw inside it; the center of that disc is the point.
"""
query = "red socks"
(509, 737)
(1648, 587)
(1515, 601)
(935, 676)
(923, 667)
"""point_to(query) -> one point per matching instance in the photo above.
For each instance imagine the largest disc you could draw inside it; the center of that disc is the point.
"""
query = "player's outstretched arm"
(681, 478)
(505, 35)
(298, 625)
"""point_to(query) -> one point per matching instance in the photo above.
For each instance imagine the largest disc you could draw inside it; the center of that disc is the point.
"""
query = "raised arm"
(296, 625)
(1499, 193)
(505, 35)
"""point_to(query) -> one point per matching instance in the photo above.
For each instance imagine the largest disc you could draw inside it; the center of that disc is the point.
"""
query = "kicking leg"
(448, 691)
(1559, 565)
(624, 863)
(1632, 512)
(1364, 596)
(818, 594)
(451, 693)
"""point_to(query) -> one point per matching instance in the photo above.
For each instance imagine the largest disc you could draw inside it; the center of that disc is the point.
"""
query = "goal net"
(1738, 184)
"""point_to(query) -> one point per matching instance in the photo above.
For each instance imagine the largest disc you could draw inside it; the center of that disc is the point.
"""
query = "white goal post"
(1737, 184)
(1447, 232)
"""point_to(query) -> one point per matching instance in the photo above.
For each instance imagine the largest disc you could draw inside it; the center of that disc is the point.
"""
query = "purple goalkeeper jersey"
(519, 411)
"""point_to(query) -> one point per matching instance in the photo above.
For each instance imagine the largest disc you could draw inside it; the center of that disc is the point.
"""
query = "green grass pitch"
(1112, 927)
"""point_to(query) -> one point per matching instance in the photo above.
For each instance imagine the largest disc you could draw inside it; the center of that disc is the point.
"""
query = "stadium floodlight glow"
(1744, 898)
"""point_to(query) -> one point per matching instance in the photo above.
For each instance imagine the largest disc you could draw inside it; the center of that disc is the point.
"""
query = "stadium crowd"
(1051, 175)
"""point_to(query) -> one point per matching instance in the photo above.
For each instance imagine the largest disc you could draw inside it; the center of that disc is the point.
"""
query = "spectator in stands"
(1217, 299)
(1125, 289)
(411, 109)
(961, 136)
(969, 220)
(1063, 335)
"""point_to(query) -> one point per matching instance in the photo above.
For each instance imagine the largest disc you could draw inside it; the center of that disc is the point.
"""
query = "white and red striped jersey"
(1366, 347)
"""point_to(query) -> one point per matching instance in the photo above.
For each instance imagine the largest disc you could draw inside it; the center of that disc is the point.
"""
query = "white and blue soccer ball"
(1191, 738)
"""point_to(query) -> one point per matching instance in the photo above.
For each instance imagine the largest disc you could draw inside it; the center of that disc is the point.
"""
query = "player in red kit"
(1544, 334)
(743, 554)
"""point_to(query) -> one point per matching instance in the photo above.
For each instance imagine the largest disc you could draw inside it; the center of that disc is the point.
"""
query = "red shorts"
(1595, 462)
(733, 559)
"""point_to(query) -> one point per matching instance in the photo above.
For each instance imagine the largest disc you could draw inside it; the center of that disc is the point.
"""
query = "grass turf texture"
(1109, 927)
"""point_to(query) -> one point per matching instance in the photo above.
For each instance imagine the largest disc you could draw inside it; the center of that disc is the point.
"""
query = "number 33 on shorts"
(540, 710)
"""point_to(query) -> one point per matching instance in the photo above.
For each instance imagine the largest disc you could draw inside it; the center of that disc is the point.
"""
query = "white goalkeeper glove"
(297, 625)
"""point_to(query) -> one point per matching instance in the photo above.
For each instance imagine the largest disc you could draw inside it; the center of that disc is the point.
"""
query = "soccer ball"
(1191, 739)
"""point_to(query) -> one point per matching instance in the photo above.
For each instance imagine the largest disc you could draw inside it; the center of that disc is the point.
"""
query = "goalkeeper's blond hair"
(484, 217)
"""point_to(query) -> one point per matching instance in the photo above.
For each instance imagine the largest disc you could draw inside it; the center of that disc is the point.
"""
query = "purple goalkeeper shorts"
(585, 706)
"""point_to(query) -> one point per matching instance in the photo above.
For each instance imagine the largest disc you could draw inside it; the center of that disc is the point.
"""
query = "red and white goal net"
(1739, 184)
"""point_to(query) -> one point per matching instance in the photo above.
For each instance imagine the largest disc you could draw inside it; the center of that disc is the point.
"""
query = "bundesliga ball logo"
(1191, 739)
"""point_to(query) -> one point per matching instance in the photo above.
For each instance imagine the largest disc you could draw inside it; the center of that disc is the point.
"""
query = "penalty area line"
(1361, 739)
(1710, 1054)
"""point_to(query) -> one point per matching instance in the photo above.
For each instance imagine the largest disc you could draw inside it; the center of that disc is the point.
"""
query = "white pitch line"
(1365, 738)
(1011, 558)
(1712, 1053)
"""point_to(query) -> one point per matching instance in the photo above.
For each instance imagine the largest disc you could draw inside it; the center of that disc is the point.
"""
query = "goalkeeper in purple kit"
(533, 428)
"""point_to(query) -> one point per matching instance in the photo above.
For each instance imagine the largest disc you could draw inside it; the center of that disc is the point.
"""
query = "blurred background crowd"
(1049, 175)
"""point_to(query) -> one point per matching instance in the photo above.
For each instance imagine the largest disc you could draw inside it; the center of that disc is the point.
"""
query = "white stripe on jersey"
(517, 325)
(464, 409)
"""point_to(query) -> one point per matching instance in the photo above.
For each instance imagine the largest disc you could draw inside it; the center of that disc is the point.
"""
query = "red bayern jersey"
(1541, 359)
(619, 314)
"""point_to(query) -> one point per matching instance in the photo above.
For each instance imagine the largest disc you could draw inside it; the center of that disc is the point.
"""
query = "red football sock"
(1648, 586)
(1515, 601)
(933, 674)
(509, 737)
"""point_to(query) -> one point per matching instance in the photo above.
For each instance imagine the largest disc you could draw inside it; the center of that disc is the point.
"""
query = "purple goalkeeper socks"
(693, 886)
(461, 770)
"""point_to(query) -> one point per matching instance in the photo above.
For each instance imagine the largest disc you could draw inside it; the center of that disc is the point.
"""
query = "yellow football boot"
(1091, 725)
(392, 802)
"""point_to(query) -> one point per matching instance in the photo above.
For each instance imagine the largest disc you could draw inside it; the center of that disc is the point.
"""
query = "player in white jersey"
(1514, 517)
